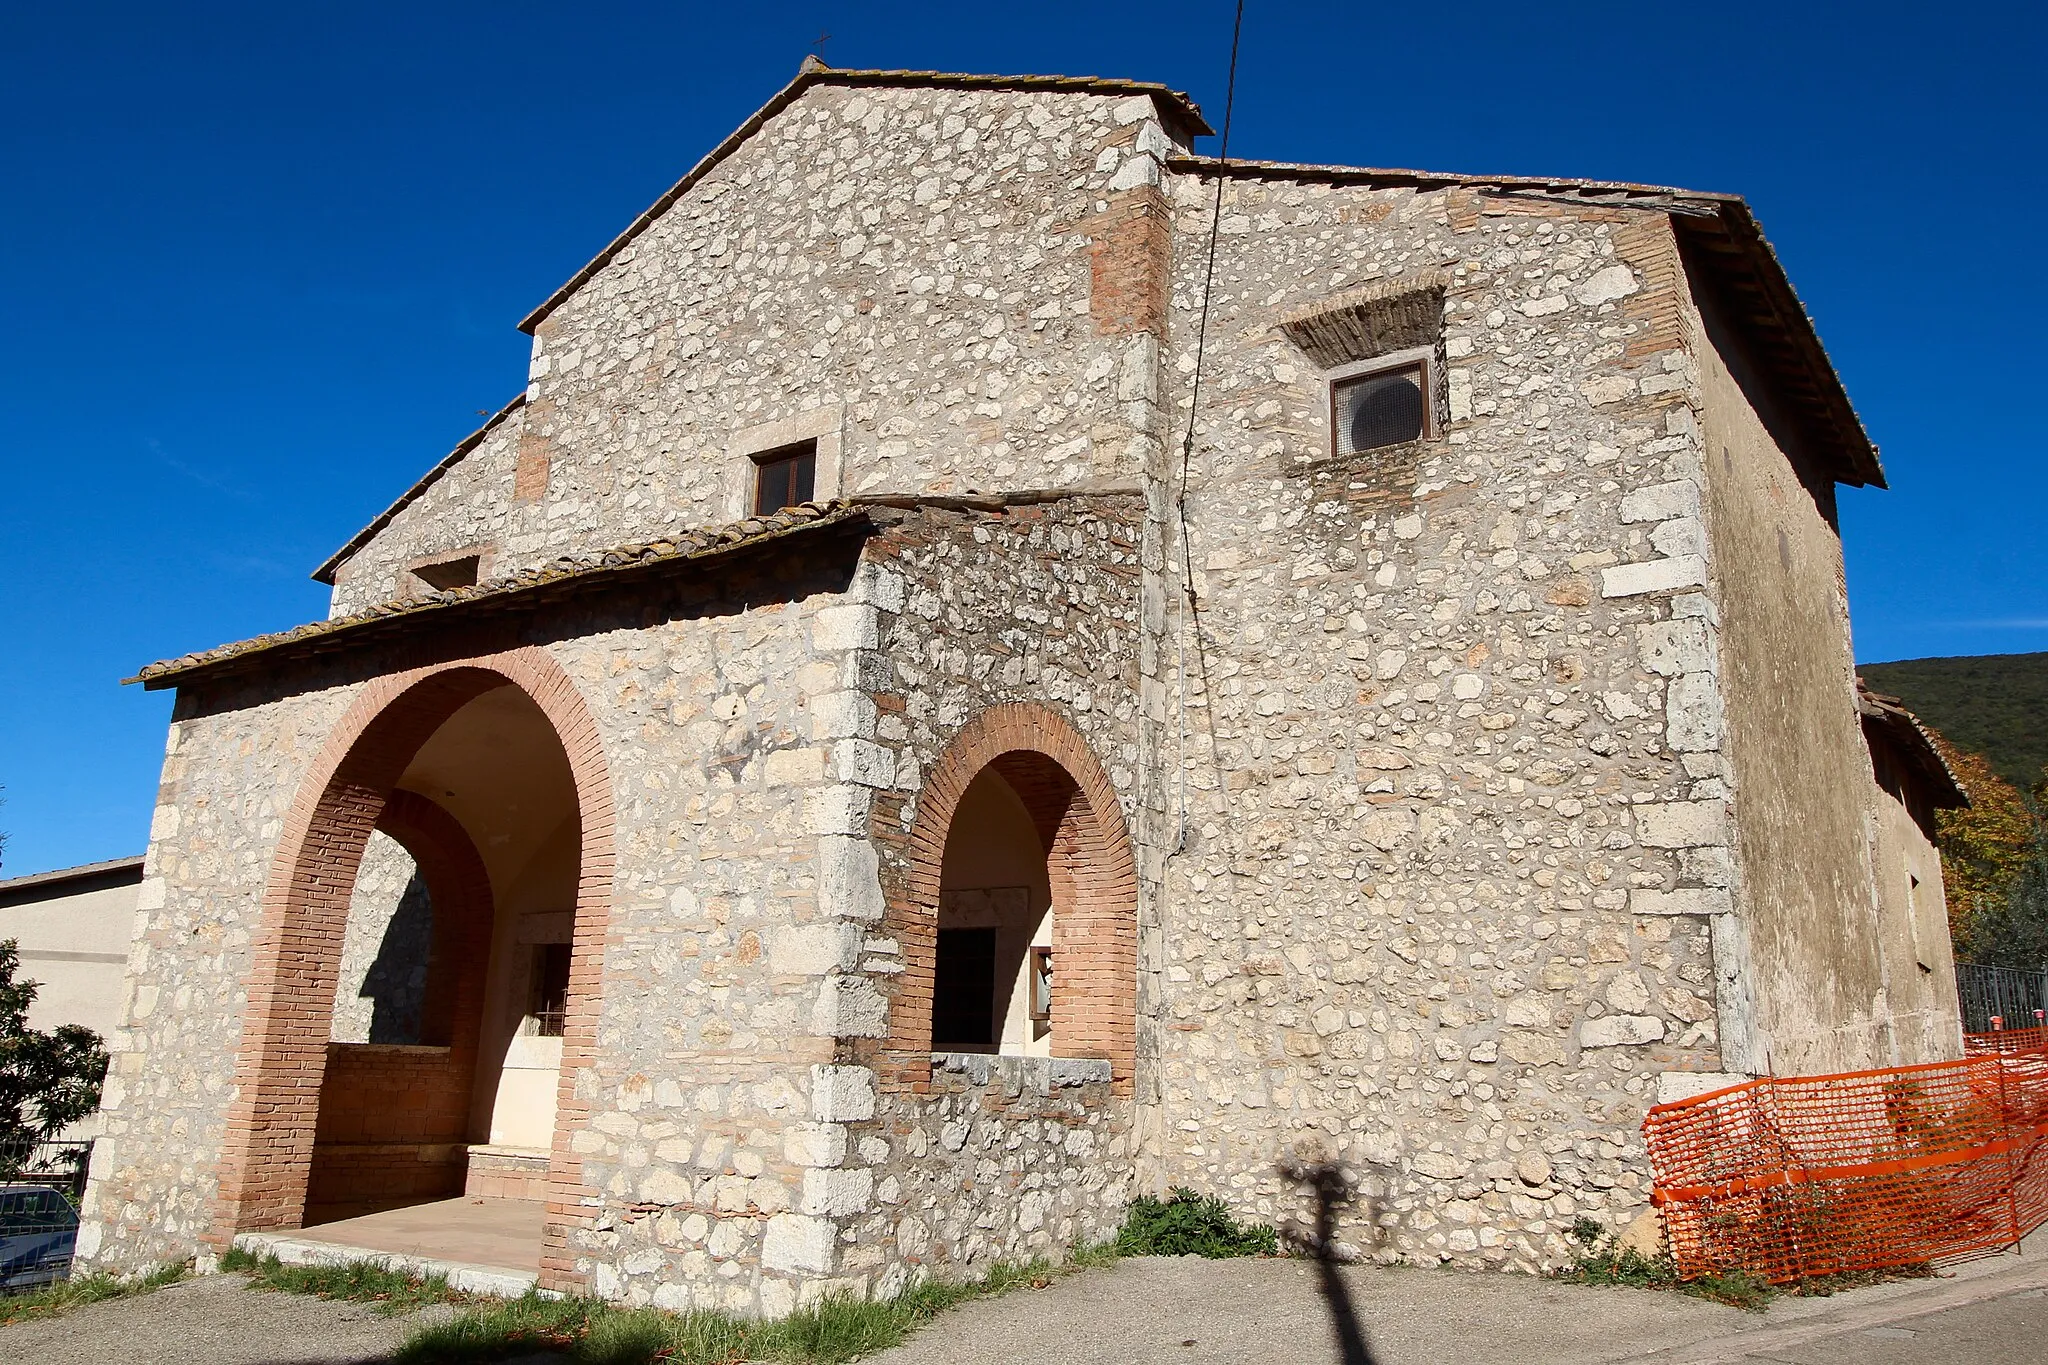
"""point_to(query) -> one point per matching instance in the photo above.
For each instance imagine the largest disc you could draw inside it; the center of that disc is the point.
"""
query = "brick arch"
(374, 1100)
(459, 888)
(1089, 863)
(266, 1149)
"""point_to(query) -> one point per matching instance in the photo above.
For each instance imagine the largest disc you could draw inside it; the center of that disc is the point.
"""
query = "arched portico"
(352, 789)
(1090, 872)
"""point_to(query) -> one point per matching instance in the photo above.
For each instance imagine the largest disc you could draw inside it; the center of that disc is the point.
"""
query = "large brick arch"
(1089, 862)
(266, 1151)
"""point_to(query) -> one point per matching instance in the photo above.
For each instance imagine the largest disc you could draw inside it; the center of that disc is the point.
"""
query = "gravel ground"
(1186, 1311)
(213, 1320)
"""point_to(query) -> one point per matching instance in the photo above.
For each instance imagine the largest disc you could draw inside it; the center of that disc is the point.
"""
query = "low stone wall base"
(506, 1173)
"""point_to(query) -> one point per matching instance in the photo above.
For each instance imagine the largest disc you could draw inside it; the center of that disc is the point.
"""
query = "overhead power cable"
(1187, 445)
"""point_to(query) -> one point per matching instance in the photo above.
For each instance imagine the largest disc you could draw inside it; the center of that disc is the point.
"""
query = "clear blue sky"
(263, 265)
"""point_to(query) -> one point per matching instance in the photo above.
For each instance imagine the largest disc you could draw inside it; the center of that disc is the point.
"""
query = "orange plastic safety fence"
(1818, 1175)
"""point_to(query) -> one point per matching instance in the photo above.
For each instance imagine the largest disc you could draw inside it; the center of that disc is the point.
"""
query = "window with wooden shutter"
(784, 478)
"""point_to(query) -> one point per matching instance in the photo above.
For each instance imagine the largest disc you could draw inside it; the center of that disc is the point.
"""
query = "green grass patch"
(591, 1332)
(392, 1291)
(68, 1295)
(1188, 1224)
(1601, 1259)
(841, 1328)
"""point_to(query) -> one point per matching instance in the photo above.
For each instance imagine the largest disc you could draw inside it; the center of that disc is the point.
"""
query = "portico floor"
(489, 1246)
(501, 1232)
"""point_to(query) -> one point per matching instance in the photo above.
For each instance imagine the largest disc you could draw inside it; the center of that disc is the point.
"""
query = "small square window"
(964, 989)
(548, 999)
(450, 573)
(784, 478)
(1386, 407)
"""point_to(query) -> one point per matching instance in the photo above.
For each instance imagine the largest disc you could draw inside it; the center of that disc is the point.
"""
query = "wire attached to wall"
(1187, 445)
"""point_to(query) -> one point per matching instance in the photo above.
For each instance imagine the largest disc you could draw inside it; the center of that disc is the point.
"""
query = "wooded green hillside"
(1992, 704)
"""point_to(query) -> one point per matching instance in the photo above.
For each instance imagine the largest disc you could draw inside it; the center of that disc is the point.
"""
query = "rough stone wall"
(1798, 765)
(1456, 827)
(1006, 1158)
(957, 283)
(706, 1033)
(1035, 604)
(714, 1026)
(1912, 904)
(231, 770)
(739, 1143)
(383, 978)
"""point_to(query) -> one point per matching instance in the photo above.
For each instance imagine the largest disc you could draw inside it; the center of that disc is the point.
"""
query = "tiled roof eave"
(1912, 736)
(83, 872)
(530, 586)
(1397, 177)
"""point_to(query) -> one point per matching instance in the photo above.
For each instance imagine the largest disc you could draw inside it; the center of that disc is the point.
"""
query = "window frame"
(823, 426)
(1039, 984)
(543, 1020)
(1422, 359)
(791, 454)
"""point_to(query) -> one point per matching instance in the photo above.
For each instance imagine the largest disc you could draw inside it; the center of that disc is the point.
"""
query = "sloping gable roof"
(1173, 103)
(1908, 737)
(325, 573)
(112, 872)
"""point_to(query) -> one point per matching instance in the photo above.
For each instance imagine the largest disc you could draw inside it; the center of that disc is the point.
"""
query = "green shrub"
(1187, 1224)
(1601, 1259)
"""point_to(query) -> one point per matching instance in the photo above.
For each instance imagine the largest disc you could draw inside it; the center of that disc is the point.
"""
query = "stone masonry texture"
(1412, 811)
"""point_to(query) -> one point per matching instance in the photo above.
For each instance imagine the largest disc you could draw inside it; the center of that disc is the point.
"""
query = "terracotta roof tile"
(684, 546)
(1911, 738)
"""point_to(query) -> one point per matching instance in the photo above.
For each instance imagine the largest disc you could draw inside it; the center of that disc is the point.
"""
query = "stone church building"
(825, 788)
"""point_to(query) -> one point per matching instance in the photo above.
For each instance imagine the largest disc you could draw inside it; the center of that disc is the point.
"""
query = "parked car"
(38, 1232)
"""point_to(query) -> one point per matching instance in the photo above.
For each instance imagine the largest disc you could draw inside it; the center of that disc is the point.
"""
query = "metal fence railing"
(2016, 998)
(61, 1165)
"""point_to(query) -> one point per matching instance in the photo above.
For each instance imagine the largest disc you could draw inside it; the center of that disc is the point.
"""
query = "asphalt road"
(1189, 1312)
(1193, 1312)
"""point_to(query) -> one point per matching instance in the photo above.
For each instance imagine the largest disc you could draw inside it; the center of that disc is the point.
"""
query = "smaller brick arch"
(371, 1095)
(464, 916)
(1090, 865)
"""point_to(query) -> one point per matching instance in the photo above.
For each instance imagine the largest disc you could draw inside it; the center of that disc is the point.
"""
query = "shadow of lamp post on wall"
(1332, 1190)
